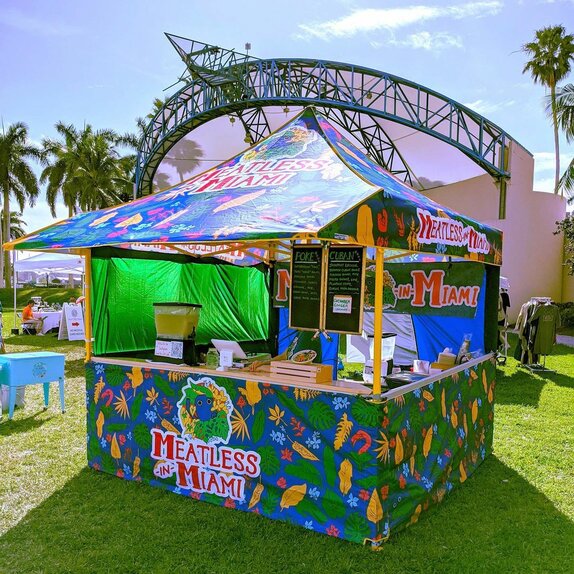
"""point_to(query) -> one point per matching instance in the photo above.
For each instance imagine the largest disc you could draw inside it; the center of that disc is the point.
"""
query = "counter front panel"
(332, 462)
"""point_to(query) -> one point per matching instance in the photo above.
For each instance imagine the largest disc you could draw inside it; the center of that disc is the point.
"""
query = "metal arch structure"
(222, 82)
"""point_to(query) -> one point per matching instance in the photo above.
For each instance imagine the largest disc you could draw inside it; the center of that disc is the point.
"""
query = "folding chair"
(27, 328)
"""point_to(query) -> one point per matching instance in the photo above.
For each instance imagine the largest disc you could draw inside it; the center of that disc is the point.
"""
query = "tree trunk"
(6, 235)
(556, 138)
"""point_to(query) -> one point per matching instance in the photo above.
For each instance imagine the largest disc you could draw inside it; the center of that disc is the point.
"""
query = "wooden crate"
(306, 373)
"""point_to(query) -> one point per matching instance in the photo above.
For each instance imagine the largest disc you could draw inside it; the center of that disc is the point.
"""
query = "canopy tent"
(51, 263)
(304, 181)
(47, 263)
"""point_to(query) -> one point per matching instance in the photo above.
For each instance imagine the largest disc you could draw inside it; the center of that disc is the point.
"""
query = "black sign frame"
(302, 313)
(353, 295)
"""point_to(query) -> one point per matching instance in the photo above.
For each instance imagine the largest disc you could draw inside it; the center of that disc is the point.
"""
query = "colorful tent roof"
(304, 180)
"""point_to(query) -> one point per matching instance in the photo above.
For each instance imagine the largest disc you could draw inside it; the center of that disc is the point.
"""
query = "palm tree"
(17, 225)
(99, 177)
(551, 55)
(185, 156)
(83, 167)
(16, 179)
(564, 107)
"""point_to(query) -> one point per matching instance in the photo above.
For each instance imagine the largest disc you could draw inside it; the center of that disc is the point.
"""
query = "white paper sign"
(226, 358)
(342, 304)
(72, 323)
(171, 349)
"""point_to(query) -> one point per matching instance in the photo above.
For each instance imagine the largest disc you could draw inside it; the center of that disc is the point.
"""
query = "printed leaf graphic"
(136, 468)
(136, 406)
(462, 472)
(321, 416)
(270, 500)
(443, 404)
(136, 377)
(142, 436)
(428, 396)
(474, 411)
(252, 393)
(374, 509)
(357, 528)
(270, 463)
(428, 441)
(98, 389)
(256, 496)
(163, 386)
(343, 431)
(258, 426)
(366, 414)
(293, 496)
(303, 451)
(484, 381)
(239, 200)
(329, 465)
(399, 451)
(383, 450)
(333, 505)
(345, 475)
(304, 470)
(133, 220)
(453, 417)
(100, 424)
(115, 448)
(121, 406)
(309, 507)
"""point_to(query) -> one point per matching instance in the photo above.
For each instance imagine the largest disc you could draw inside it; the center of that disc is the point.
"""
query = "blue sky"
(104, 62)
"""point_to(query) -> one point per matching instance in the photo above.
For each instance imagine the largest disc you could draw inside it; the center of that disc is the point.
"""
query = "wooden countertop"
(262, 375)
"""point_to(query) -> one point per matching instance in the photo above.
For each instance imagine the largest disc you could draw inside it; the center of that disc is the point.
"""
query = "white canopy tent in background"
(48, 263)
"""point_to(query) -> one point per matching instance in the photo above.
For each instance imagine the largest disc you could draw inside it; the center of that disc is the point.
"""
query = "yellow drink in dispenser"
(176, 320)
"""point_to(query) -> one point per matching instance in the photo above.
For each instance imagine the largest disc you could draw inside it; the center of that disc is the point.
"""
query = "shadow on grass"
(496, 521)
(20, 425)
(524, 388)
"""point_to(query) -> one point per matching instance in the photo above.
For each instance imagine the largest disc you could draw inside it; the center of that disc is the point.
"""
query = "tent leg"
(88, 302)
(378, 326)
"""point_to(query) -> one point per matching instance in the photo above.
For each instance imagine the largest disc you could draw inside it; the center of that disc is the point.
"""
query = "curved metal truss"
(222, 82)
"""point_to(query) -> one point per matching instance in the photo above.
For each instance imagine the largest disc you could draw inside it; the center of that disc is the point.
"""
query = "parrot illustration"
(203, 406)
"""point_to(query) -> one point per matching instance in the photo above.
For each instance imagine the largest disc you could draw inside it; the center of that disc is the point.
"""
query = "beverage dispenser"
(176, 325)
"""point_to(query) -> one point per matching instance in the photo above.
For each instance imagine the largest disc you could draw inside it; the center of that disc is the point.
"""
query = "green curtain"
(235, 301)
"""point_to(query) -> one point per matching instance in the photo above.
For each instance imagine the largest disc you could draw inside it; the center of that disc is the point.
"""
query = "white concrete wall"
(532, 254)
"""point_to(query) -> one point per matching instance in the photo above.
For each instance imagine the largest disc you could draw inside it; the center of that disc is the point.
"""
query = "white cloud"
(484, 107)
(391, 19)
(544, 184)
(544, 161)
(25, 23)
(429, 41)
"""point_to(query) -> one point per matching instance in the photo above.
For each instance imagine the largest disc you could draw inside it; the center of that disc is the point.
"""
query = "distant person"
(29, 319)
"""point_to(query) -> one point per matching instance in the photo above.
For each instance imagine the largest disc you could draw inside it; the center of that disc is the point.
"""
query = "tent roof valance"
(303, 181)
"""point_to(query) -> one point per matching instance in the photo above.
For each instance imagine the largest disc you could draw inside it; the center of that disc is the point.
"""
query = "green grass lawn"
(516, 514)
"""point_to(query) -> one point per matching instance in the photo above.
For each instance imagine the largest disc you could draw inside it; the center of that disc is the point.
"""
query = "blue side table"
(42, 368)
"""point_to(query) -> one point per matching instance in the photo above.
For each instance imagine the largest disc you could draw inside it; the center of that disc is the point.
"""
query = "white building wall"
(532, 254)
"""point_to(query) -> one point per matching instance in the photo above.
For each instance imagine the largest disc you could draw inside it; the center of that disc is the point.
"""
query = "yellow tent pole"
(88, 302)
(378, 327)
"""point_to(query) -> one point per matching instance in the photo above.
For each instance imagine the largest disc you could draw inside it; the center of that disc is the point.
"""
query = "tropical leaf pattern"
(336, 464)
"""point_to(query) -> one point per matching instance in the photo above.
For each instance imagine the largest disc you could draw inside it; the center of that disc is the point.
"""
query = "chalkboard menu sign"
(305, 301)
(345, 289)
